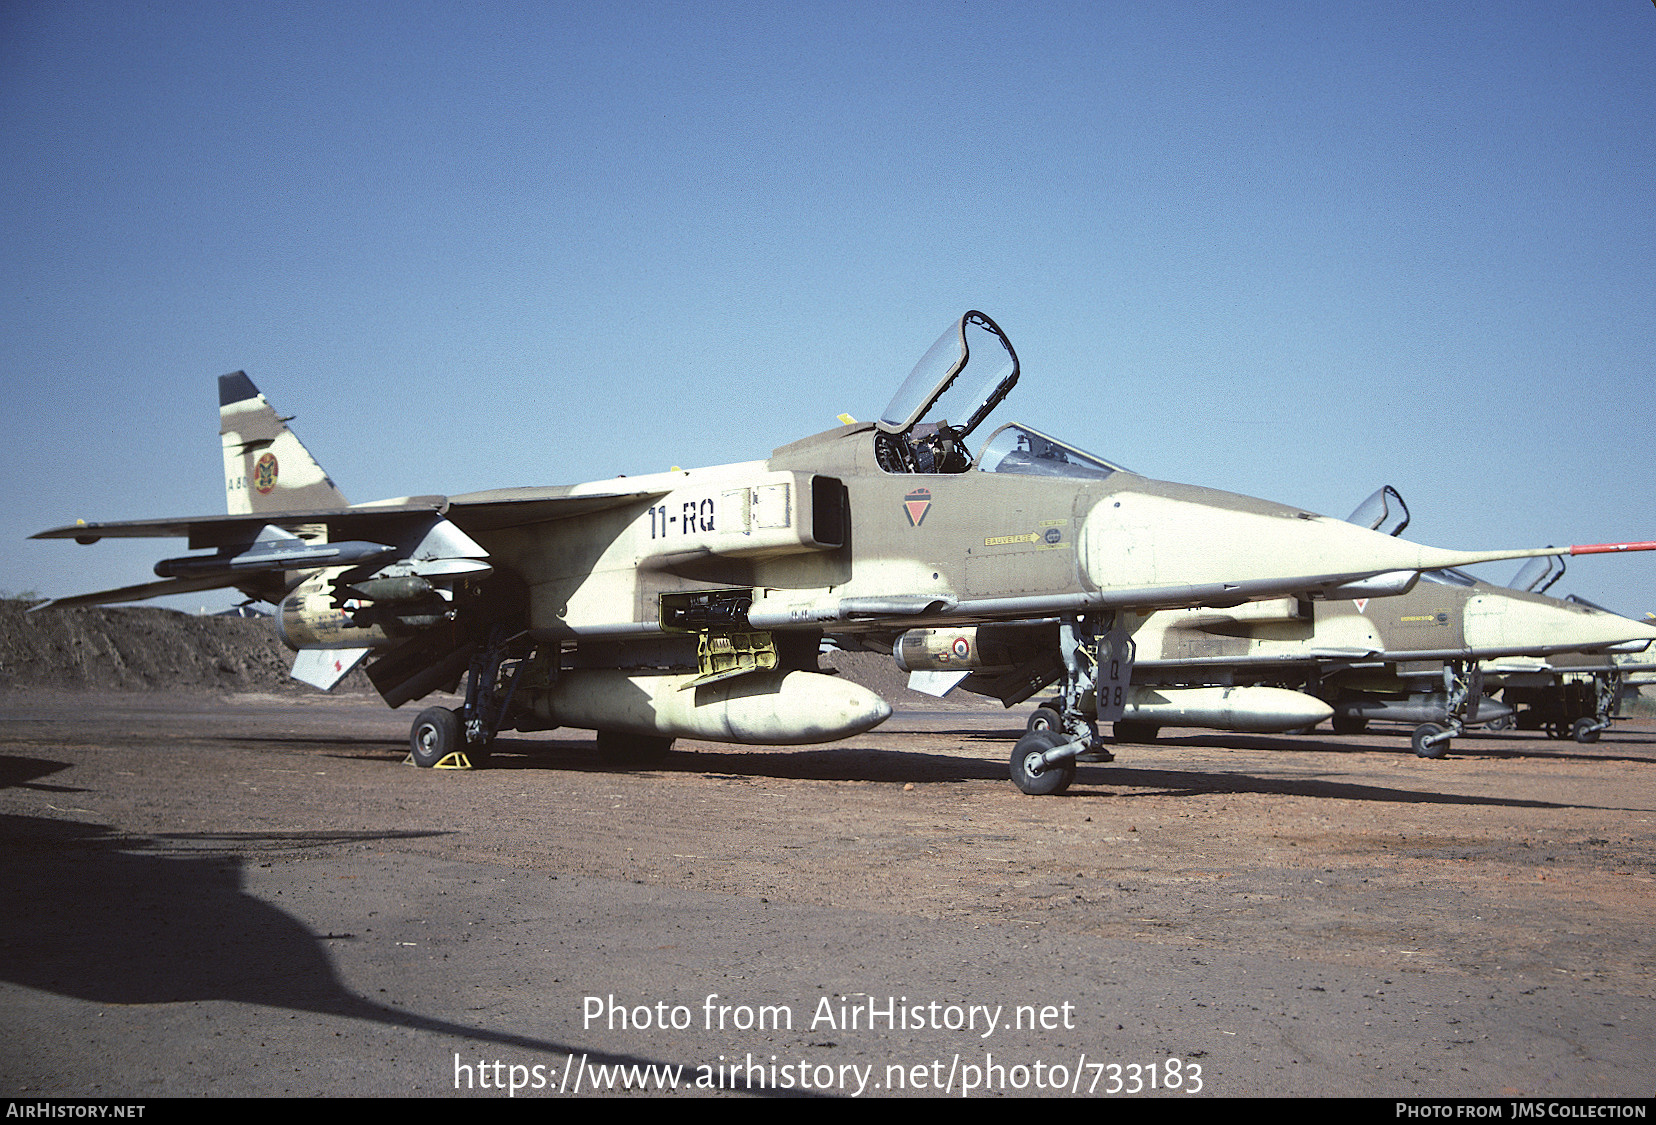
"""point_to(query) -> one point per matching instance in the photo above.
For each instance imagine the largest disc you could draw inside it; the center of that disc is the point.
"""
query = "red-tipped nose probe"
(1608, 548)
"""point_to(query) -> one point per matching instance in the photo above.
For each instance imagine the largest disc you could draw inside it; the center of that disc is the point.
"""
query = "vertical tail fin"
(266, 468)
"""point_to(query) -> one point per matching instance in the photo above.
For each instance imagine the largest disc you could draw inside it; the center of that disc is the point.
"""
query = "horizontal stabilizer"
(142, 591)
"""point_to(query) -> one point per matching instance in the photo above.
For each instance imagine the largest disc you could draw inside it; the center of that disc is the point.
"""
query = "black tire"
(1050, 780)
(633, 749)
(1585, 731)
(1503, 723)
(1134, 730)
(1045, 717)
(434, 736)
(1349, 724)
(1421, 734)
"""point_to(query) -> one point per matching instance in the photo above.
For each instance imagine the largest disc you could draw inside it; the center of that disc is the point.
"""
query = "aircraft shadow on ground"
(109, 918)
(24, 773)
(849, 761)
(834, 762)
(855, 763)
(1476, 745)
(1192, 783)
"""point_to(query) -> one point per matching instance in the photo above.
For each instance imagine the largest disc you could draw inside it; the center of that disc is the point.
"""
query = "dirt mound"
(133, 648)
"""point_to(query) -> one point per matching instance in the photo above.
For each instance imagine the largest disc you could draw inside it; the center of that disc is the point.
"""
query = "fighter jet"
(1422, 657)
(1573, 694)
(693, 603)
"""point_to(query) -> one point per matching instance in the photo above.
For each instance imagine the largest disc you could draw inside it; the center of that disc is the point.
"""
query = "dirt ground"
(215, 891)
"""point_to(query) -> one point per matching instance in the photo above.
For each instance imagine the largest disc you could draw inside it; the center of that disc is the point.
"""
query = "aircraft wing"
(519, 507)
(406, 528)
(225, 531)
(478, 511)
(249, 546)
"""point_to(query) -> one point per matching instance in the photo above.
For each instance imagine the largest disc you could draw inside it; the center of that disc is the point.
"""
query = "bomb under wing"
(693, 603)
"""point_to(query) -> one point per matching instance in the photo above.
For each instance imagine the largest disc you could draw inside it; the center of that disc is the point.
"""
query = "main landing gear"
(1583, 709)
(461, 738)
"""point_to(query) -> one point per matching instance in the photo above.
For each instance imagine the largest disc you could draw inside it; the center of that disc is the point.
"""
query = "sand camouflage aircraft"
(1572, 694)
(1423, 657)
(692, 603)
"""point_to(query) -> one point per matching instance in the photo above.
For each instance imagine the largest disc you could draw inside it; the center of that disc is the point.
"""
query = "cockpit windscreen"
(1018, 449)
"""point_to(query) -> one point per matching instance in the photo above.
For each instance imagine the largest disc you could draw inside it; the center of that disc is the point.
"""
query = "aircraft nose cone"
(1494, 621)
(1161, 537)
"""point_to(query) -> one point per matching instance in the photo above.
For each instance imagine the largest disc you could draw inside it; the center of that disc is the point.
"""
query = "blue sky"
(1291, 250)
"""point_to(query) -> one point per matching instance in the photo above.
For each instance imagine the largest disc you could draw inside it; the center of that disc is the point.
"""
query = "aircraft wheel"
(633, 749)
(1045, 717)
(1131, 730)
(1421, 734)
(1503, 723)
(1050, 779)
(435, 735)
(1584, 730)
(1350, 724)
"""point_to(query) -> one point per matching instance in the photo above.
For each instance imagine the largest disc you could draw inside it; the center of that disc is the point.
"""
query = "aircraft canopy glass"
(963, 376)
(1384, 512)
(1575, 599)
(1538, 575)
(1018, 449)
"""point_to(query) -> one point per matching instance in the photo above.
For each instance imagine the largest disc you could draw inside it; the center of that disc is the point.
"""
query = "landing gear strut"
(1463, 687)
(1098, 666)
(461, 739)
(1606, 694)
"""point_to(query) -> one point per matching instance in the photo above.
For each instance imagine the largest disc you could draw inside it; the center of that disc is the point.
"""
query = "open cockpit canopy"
(964, 376)
(941, 385)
